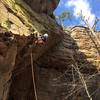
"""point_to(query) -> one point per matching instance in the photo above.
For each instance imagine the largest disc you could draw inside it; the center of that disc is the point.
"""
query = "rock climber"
(41, 39)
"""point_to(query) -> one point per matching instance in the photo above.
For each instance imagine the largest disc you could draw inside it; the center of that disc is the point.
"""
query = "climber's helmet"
(45, 37)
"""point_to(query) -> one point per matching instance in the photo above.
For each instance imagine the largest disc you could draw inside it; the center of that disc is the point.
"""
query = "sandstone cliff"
(87, 44)
(55, 63)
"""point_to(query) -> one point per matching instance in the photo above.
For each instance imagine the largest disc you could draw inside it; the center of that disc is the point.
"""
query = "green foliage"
(65, 15)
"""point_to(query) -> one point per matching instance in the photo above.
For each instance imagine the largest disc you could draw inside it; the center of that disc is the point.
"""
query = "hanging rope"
(33, 76)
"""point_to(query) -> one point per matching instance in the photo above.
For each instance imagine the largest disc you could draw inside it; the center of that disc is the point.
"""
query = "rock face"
(56, 78)
(64, 81)
(55, 63)
(40, 6)
(19, 17)
(87, 44)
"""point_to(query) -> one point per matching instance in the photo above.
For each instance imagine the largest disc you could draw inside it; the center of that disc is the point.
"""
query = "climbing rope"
(33, 76)
(44, 38)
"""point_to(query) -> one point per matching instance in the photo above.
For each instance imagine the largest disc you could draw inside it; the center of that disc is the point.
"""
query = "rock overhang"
(47, 6)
